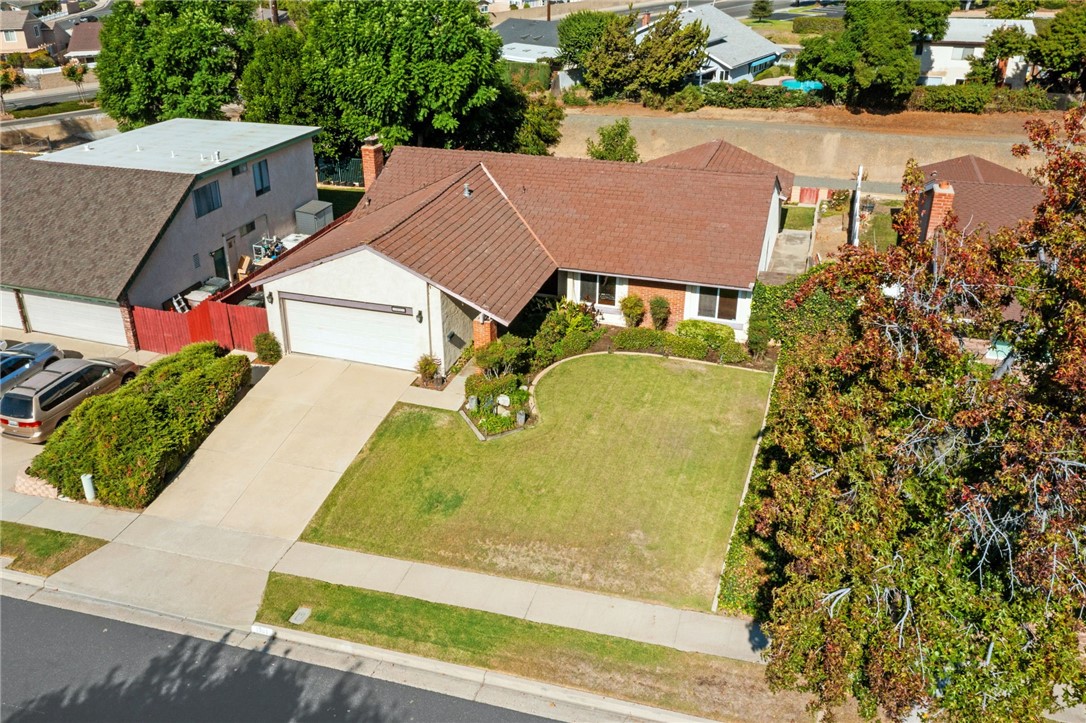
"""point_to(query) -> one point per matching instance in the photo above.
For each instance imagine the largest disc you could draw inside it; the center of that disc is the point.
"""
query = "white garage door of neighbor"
(372, 337)
(9, 311)
(77, 319)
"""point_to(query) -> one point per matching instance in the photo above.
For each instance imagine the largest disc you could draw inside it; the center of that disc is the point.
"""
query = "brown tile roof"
(618, 218)
(81, 230)
(84, 38)
(986, 193)
(726, 157)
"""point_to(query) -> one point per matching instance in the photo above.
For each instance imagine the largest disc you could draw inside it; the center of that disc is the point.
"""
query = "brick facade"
(674, 293)
(483, 332)
(129, 323)
(941, 203)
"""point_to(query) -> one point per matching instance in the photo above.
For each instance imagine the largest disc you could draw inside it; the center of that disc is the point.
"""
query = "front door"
(218, 256)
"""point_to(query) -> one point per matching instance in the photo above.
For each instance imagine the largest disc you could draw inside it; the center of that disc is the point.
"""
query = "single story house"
(946, 61)
(20, 32)
(981, 194)
(734, 51)
(448, 244)
(84, 45)
(527, 41)
(138, 218)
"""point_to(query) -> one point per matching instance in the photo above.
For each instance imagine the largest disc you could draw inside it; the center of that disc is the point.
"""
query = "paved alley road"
(60, 665)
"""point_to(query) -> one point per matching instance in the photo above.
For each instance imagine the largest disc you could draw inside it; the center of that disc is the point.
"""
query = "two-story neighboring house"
(946, 62)
(20, 32)
(141, 217)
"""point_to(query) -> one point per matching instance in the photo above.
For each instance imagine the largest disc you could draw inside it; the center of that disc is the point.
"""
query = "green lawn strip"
(36, 111)
(880, 231)
(343, 200)
(689, 682)
(628, 485)
(38, 551)
(799, 218)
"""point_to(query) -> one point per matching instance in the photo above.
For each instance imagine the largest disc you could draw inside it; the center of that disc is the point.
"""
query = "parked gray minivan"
(33, 410)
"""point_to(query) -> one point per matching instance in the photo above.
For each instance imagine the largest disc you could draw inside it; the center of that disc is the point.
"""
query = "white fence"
(36, 72)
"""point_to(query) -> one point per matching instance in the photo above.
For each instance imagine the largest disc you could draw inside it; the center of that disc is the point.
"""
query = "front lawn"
(343, 199)
(44, 109)
(38, 551)
(628, 485)
(698, 684)
(799, 218)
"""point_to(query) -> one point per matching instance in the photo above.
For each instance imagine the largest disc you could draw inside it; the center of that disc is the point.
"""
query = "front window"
(9, 36)
(207, 199)
(718, 303)
(261, 179)
(598, 290)
(963, 53)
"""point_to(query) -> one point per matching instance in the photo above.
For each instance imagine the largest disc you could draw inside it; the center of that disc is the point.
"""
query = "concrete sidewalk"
(592, 612)
(450, 398)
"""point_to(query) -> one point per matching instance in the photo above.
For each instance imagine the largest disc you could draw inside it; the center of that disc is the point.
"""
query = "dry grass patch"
(37, 551)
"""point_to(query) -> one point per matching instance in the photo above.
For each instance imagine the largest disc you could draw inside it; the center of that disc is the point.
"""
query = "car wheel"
(127, 378)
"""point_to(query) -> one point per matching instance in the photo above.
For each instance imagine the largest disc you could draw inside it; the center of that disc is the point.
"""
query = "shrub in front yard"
(506, 355)
(485, 388)
(716, 336)
(487, 392)
(267, 348)
(659, 311)
(132, 439)
(569, 328)
(427, 368)
(639, 339)
(685, 347)
(633, 310)
(733, 353)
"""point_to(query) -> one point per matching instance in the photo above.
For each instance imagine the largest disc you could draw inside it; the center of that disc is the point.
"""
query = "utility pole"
(274, 7)
(548, 4)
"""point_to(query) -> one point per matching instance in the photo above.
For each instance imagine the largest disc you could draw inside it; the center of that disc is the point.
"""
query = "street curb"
(478, 676)
(23, 578)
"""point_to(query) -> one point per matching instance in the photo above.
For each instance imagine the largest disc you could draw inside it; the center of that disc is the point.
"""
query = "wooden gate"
(231, 326)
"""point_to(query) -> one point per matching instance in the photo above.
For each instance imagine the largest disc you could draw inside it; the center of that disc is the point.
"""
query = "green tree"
(273, 86)
(541, 127)
(10, 79)
(610, 66)
(74, 72)
(761, 10)
(1061, 49)
(579, 32)
(668, 53)
(1011, 9)
(1001, 45)
(169, 59)
(615, 143)
(426, 73)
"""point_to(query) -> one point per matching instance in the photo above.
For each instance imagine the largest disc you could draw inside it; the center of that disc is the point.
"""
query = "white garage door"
(77, 319)
(9, 311)
(373, 337)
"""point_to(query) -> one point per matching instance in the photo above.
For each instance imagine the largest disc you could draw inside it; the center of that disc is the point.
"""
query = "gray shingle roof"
(13, 19)
(730, 41)
(81, 230)
(528, 32)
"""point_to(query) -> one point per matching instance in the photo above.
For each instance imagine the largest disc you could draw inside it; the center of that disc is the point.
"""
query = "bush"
(267, 348)
(715, 336)
(639, 338)
(747, 95)
(1006, 100)
(818, 313)
(504, 356)
(659, 311)
(758, 337)
(687, 100)
(633, 310)
(685, 347)
(653, 100)
(486, 389)
(967, 98)
(575, 342)
(569, 328)
(491, 424)
(132, 439)
(427, 368)
(733, 353)
(817, 25)
(575, 96)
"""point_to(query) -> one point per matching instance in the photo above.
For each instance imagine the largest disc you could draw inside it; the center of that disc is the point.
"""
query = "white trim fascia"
(570, 269)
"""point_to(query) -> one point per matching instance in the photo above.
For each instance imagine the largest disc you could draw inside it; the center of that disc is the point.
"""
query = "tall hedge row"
(748, 95)
(978, 98)
(132, 439)
(818, 312)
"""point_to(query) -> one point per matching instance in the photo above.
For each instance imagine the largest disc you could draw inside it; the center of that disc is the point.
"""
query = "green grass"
(38, 551)
(693, 683)
(343, 200)
(531, 76)
(778, 26)
(36, 111)
(628, 485)
(799, 218)
(879, 231)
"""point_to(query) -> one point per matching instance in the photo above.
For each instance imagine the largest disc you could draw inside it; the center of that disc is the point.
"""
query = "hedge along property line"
(132, 439)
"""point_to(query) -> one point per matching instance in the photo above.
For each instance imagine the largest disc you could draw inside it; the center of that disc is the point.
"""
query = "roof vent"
(87, 147)
(138, 149)
(173, 155)
(217, 157)
(467, 191)
(202, 159)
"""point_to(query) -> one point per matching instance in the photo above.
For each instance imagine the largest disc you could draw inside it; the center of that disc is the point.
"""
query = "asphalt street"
(57, 665)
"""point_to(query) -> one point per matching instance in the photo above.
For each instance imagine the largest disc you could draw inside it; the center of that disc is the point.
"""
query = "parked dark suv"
(33, 410)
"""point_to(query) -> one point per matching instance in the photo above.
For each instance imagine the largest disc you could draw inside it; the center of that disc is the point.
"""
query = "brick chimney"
(645, 20)
(483, 331)
(373, 160)
(941, 204)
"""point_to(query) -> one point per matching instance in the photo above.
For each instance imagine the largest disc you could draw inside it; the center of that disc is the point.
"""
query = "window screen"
(207, 199)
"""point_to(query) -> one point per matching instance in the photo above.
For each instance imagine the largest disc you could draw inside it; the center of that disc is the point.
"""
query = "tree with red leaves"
(931, 514)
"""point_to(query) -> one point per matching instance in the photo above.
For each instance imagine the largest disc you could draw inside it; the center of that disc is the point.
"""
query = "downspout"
(429, 327)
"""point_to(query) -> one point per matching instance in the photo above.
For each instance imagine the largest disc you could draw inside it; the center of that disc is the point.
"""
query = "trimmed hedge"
(132, 439)
(978, 98)
(267, 348)
(716, 336)
(747, 95)
(1008, 100)
(817, 25)
(685, 347)
(478, 385)
(639, 338)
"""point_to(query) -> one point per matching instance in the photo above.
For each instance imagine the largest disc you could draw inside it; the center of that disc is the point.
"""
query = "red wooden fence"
(231, 326)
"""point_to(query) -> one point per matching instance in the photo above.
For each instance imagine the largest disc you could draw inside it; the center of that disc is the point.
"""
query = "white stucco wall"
(170, 268)
(938, 67)
(772, 228)
(742, 311)
(360, 276)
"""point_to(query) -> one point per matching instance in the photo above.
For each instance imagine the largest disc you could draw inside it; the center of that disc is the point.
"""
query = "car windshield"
(17, 406)
(11, 362)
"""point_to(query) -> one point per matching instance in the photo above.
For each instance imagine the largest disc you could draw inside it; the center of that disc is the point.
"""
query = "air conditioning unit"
(292, 240)
(313, 216)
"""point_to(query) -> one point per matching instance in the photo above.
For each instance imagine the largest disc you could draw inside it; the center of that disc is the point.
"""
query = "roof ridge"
(449, 180)
(518, 213)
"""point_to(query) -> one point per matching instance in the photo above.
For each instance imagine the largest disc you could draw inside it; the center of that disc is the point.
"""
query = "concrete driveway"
(268, 466)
